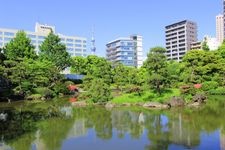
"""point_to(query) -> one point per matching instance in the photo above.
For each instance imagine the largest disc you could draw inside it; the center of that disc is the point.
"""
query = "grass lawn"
(147, 96)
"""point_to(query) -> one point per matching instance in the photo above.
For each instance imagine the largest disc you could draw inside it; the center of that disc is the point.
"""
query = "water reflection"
(98, 128)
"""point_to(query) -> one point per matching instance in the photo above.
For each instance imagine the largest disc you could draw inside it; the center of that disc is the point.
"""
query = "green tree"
(95, 66)
(156, 67)
(221, 50)
(54, 51)
(174, 69)
(98, 91)
(205, 46)
(200, 66)
(120, 77)
(19, 48)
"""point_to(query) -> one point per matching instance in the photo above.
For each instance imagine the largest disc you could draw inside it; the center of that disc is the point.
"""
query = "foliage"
(146, 96)
(174, 70)
(98, 91)
(156, 68)
(205, 46)
(20, 47)
(44, 92)
(54, 51)
(218, 91)
(209, 85)
(201, 66)
(97, 67)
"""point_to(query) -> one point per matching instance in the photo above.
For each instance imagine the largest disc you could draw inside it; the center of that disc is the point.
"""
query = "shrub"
(34, 97)
(98, 91)
(218, 91)
(44, 92)
(209, 85)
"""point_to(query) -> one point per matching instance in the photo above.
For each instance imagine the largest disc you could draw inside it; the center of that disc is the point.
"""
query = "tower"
(93, 48)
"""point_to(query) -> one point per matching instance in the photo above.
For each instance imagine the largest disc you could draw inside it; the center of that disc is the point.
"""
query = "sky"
(111, 19)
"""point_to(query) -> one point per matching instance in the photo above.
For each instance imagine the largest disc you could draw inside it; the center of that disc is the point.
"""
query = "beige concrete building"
(196, 45)
(220, 28)
(179, 37)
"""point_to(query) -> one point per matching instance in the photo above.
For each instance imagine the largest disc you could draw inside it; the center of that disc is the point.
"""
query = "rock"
(200, 98)
(195, 104)
(126, 104)
(79, 104)
(176, 102)
(109, 105)
(155, 105)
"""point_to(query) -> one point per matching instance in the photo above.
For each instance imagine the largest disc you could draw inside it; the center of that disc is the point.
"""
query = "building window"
(33, 41)
(69, 40)
(8, 39)
(70, 49)
(0, 38)
(84, 41)
(41, 37)
(129, 44)
(62, 39)
(78, 50)
(69, 45)
(78, 45)
(78, 54)
(78, 41)
(9, 34)
(0, 33)
(31, 36)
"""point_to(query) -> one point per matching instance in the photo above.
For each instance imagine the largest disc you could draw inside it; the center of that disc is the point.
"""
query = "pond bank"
(197, 101)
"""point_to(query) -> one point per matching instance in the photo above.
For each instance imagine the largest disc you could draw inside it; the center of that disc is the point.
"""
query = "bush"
(61, 88)
(44, 92)
(218, 91)
(98, 91)
(34, 97)
(209, 85)
(188, 89)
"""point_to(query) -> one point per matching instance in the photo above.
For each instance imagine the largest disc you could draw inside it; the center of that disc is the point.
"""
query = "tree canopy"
(54, 51)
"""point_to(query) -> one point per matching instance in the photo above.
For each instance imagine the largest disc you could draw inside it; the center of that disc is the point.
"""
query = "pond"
(50, 127)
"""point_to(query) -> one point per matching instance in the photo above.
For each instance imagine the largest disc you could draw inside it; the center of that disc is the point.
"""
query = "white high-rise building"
(212, 43)
(179, 37)
(76, 46)
(220, 28)
(128, 51)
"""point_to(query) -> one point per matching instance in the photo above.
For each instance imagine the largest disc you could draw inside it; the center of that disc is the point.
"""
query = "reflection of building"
(76, 46)
(3, 146)
(79, 129)
(127, 51)
(181, 134)
(179, 37)
(222, 141)
(38, 143)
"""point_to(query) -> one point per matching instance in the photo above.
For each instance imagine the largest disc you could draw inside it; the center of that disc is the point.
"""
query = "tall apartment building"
(224, 18)
(220, 28)
(76, 46)
(179, 37)
(128, 51)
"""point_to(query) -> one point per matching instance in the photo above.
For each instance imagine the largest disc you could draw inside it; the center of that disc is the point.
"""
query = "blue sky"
(111, 18)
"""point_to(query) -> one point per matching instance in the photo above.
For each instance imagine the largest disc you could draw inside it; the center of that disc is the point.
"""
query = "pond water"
(95, 128)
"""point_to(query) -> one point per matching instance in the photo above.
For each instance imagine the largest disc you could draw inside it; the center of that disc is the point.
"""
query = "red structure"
(198, 86)
(72, 88)
(73, 99)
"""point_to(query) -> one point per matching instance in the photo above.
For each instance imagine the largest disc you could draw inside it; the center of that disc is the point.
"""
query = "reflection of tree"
(157, 135)
(54, 131)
